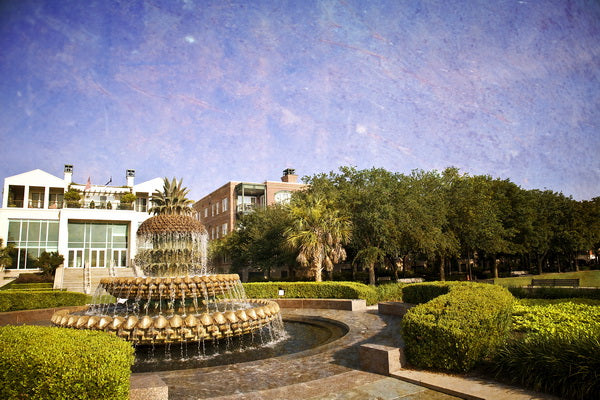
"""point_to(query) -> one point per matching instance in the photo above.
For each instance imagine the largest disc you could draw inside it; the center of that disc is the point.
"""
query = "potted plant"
(127, 201)
(72, 198)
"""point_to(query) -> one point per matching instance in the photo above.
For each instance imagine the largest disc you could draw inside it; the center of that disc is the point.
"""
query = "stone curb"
(467, 387)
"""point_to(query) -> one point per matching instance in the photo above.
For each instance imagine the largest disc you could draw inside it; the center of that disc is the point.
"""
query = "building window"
(31, 238)
(224, 230)
(283, 197)
(224, 204)
(141, 204)
(206, 212)
(97, 245)
(36, 197)
(217, 207)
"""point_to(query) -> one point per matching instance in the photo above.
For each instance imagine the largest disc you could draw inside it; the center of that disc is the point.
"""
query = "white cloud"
(361, 129)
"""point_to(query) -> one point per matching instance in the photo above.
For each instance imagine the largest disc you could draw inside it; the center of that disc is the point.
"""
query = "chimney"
(289, 176)
(68, 174)
(130, 175)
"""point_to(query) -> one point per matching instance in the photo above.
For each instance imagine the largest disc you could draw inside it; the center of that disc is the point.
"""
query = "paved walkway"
(331, 372)
(328, 372)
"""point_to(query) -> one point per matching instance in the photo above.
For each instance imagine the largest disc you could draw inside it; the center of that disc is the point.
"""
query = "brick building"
(220, 209)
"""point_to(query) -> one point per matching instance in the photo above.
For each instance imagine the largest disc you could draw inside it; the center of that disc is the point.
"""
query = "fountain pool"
(302, 333)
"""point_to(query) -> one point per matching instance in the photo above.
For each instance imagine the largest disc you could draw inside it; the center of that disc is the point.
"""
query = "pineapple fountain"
(176, 300)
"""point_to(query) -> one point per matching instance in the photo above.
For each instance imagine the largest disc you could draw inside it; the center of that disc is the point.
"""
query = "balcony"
(15, 203)
(246, 208)
(97, 205)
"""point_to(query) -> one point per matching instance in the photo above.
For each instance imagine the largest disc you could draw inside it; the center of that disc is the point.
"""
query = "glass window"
(31, 238)
(99, 233)
(76, 234)
(225, 204)
(14, 229)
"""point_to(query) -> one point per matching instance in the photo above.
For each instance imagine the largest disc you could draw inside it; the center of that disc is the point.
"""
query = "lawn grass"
(586, 278)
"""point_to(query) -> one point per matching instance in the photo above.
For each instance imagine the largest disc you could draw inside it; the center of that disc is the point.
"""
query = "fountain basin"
(302, 333)
(162, 329)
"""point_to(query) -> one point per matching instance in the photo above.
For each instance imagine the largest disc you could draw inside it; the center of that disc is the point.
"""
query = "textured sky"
(213, 91)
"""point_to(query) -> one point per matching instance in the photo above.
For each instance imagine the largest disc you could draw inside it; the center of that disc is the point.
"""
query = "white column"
(46, 197)
(26, 197)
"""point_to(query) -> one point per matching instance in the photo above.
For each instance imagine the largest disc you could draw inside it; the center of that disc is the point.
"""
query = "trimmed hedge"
(419, 293)
(54, 363)
(15, 300)
(457, 330)
(311, 290)
(34, 286)
(555, 293)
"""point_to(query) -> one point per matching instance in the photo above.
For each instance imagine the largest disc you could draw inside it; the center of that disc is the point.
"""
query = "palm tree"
(317, 233)
(172, 200)
(369, 257)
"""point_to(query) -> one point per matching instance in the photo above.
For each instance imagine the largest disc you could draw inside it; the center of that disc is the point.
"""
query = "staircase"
(86, 280)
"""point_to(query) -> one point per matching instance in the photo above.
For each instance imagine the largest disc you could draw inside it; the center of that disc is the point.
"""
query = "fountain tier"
(176, 301)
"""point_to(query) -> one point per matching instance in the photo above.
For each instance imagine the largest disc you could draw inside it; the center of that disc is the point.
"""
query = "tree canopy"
(425, 222)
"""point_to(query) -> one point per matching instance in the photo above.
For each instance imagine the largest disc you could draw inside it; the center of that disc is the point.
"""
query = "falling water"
(177, 301)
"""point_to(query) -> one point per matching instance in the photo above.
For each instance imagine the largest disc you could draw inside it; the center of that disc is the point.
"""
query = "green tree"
(48, 262)
(317, 234)
(589, 225)
(546, 227)
(72, 198)
(5, 255)
(258, 240)
(172, 200)
(474, 216)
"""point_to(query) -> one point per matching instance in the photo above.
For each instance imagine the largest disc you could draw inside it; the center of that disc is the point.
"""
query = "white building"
(96, 235)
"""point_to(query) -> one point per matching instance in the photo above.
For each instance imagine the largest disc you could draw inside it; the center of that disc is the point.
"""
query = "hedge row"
(54, 363)
(15, 300)
(555, 293)
(457, 330)
(34, 286)
(308, 290)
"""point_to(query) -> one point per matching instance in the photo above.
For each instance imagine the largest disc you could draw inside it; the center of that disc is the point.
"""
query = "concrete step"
(72, 279)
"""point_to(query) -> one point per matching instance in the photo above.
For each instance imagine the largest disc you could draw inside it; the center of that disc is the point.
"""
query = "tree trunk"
(442, 269)
(394, 267)
(372, 274)
(495, 267)
(319, 274)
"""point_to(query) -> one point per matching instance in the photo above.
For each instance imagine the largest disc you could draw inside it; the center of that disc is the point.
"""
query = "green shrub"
(309, 290)
(33, 278)
(54, 363)
(567, 365)
(555, 293)
(418, 293)
(390, 291)
(15, 300)
(457, 330)
(566, 316)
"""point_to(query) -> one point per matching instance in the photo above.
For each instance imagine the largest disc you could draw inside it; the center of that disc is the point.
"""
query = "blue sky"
(213, 91)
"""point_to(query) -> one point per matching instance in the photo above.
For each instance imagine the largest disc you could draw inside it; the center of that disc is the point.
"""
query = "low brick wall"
(332, 304)
(28, 316)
